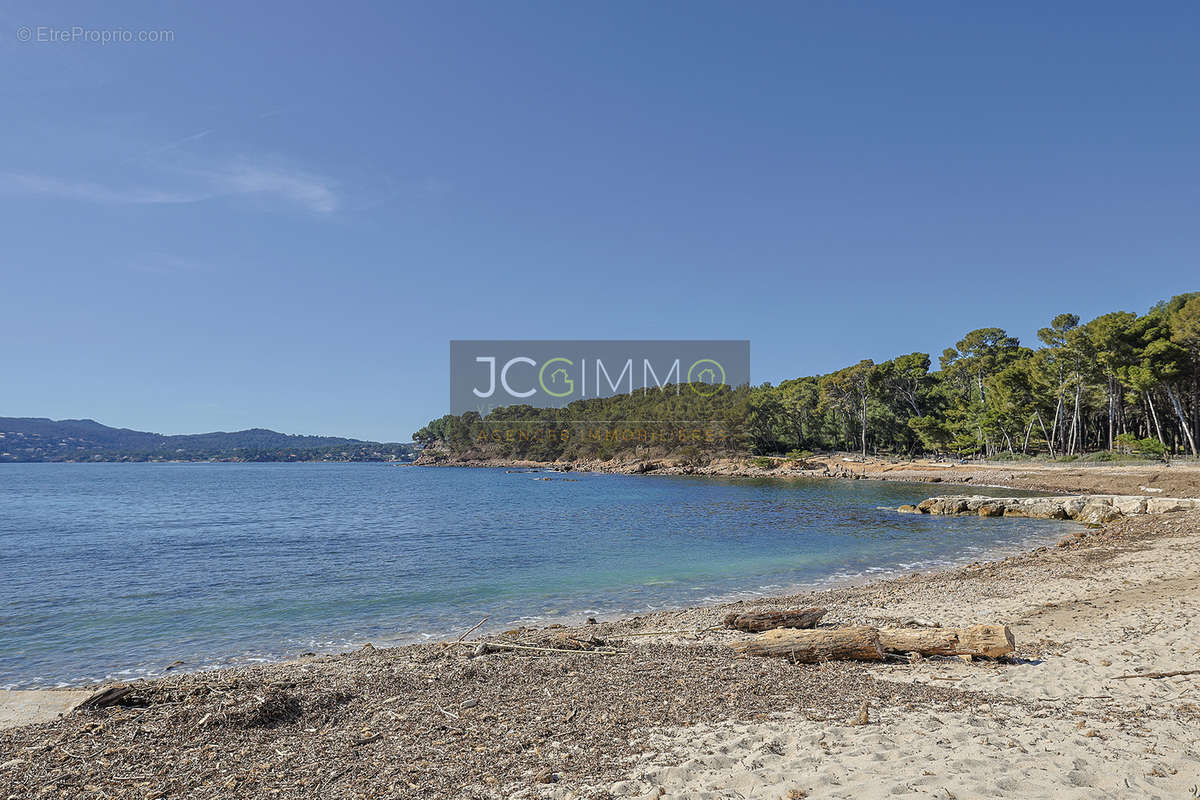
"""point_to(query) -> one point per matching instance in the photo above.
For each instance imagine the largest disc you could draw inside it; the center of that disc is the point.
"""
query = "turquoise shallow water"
(116, 570)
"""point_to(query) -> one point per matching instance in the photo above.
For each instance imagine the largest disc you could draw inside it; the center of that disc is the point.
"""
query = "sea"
(119, 571)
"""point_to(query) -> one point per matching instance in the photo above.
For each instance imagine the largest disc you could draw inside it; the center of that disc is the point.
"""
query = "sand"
(1074, 730)
(38, 705)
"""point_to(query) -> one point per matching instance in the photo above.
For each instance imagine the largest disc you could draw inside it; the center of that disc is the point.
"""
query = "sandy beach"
(660, 706)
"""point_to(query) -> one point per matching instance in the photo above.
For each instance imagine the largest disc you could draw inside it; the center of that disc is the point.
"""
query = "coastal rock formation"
(1094, 509)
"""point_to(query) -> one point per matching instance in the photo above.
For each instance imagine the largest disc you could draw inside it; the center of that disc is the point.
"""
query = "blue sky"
(281, 217)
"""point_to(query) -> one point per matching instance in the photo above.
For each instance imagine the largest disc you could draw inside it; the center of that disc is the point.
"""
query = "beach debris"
(113, 696)
(991, 641)
(472, 629)
(570, 641)
(1156, 675)
(870, 644)
(483, 648)
(858, 643)
(756, 621)
(574, 713)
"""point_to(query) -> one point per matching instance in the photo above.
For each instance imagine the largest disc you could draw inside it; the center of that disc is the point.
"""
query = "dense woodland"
(1120, 385)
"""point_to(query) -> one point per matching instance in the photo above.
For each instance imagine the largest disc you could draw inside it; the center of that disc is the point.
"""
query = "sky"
(279, 214)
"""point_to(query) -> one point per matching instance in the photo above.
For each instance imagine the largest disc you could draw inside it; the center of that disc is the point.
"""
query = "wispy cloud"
(166, 264)
(23, 183)
(186, 140)
(302, 189)
(231, 179)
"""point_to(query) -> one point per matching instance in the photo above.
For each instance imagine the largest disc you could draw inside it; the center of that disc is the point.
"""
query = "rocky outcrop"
(1094, 509)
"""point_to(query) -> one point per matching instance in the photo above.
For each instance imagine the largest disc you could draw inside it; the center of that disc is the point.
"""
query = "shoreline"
(676, 714)
(727, 600)
(1180, 478)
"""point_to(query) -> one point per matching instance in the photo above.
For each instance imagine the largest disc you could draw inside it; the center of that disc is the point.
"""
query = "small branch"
(663, 633)
(478, 625)
(507, 646)
(1157, 674)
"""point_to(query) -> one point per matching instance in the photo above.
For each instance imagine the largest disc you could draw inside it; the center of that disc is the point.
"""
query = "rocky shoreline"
(1178, 479)
(1089, 509)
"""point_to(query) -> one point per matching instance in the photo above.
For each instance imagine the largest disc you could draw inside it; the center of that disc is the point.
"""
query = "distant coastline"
(37, 439)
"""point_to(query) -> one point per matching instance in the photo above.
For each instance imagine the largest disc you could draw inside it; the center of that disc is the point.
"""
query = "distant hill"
(40, 439)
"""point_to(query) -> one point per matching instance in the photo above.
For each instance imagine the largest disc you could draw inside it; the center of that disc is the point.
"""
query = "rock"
(1090, 509)
(1073, 506)
(1165, 505)
(1129, 505)
(991, 510)
(1098, 513)
(928, 506)
(1046, 509)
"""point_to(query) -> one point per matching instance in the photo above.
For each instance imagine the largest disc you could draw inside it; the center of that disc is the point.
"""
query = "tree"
(968, 365)
(1114, 348)
(848, 391)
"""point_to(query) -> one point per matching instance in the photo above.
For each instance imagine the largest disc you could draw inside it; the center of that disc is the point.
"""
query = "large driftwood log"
(809, 646)
(978, 640)
(756, 621)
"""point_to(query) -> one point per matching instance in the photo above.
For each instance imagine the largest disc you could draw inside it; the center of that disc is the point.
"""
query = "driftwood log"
(991, 641)
(757, 621)
(810, 646)
(869, 644)
(113, 696)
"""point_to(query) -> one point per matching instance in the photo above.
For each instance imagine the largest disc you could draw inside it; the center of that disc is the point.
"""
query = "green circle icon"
(702, 369)
(569, 383)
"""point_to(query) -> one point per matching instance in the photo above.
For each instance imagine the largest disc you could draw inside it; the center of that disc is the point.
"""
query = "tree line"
(1120, 384)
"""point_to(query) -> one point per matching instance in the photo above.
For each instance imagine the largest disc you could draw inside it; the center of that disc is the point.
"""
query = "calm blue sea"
(117, 570)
